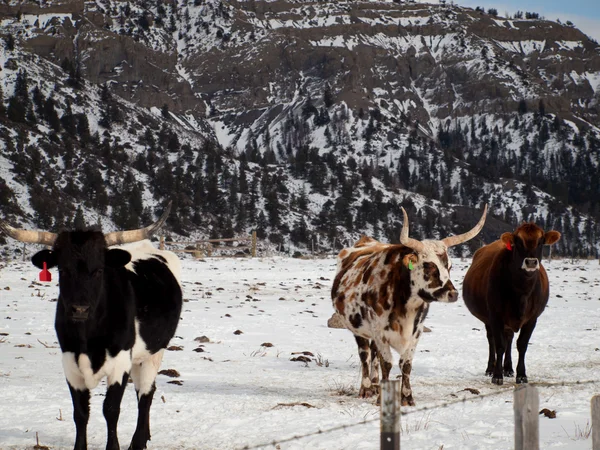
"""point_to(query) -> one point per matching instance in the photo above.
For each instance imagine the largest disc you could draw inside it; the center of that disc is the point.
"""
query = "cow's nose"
(531, 263)
(452, 296)
(80, 311)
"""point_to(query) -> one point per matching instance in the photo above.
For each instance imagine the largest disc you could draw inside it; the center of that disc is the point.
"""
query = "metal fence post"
(527, 425)
(390, 415)
(596, 422)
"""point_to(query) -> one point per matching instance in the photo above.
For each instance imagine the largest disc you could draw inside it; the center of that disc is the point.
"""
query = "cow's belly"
(401, 335)
(81, 375)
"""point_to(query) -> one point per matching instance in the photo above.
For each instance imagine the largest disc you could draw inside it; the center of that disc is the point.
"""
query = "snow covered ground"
(237, 392)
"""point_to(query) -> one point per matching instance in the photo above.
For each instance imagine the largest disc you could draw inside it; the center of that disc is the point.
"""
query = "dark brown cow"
(382, 294)
(507, 288)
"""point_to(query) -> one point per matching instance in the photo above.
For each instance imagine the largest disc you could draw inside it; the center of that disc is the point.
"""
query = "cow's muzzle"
(452, 296)
(531, 264)
(79, 312)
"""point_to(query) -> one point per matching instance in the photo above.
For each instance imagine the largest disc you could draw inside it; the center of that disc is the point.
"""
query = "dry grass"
(580, 433)
(320, 361)
(422, 423)
(342, 389)
(260, 352)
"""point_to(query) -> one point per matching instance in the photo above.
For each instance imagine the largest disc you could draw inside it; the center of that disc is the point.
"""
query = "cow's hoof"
(522, 379)
(509, 373)
(497, 380)
(408, 401)
(368, 392)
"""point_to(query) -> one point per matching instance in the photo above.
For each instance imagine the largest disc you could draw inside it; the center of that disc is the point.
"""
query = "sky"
(585, 14)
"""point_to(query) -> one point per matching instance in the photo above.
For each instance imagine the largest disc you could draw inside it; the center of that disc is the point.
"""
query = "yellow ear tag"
(410, 266)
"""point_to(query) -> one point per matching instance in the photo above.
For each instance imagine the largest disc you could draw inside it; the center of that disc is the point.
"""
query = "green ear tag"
(410, 266)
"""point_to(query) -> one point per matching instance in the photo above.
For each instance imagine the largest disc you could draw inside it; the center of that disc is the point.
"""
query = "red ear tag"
(45, 275)
(508, 246)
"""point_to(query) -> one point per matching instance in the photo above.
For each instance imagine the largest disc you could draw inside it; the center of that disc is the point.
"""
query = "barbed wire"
(443, 405)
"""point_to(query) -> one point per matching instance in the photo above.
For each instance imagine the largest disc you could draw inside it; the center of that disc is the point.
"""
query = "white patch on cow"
(72, 372)
(138, 362)
(144, 364)
(139, 352)
(405, 340)
(81, 375)
(144, 373)
(145, 250)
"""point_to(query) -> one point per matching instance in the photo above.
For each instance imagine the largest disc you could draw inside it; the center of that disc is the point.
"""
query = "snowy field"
(238, 392)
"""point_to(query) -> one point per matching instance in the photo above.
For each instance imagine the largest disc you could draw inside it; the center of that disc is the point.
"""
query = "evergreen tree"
(79, 220)
(9, 40)
(51, 115)
(328, 96)
(2, 107)
(68, 119)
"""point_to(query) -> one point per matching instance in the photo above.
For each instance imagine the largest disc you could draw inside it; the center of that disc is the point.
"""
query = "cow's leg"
(386, 362)
(498, 333)
(406, 368)
(492, 352)
(374, 366)
(364, 352)
(522, 344)
(112, 409)
(144, 376)
(81, 414)
(508, 367)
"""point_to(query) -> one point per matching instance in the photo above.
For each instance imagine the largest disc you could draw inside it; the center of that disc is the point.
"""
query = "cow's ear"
(115, 257)
(409, 260)
(551, 237)
(49, 257)
(507, 238)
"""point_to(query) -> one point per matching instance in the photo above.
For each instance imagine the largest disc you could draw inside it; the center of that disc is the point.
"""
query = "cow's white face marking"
(530, 264)
(425, 277)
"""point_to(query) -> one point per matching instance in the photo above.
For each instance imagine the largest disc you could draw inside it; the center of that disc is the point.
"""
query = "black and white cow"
(117, 310)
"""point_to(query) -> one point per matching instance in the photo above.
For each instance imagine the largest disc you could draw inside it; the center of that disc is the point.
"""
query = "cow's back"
(155, 278)
(476, 281)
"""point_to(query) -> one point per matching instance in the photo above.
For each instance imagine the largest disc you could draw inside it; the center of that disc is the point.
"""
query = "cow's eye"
(97, 273)
(429, 267)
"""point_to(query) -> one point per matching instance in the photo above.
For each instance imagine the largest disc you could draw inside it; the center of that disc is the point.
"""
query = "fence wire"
(443, 405)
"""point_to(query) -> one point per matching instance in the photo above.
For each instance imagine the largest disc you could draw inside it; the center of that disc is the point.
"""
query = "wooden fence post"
(162, 243)
(253, 250)
(596, 422)
(390, 414)
(527, 425)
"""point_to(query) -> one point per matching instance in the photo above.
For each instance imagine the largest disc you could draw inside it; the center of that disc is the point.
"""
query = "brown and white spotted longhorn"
(382, 293)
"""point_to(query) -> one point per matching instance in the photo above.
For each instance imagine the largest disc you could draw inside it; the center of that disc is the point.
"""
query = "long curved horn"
(30, 236)
(455, 240)
(416, 245)
(124, 237)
